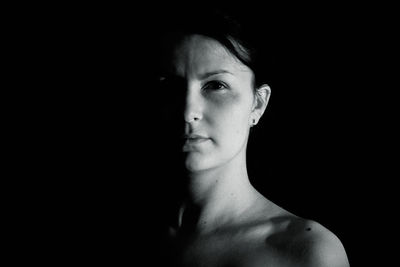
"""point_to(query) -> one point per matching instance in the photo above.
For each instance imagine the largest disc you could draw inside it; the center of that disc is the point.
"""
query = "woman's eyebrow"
(211, 73)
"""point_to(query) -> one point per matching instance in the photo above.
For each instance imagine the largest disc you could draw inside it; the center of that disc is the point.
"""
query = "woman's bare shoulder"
(307, 243)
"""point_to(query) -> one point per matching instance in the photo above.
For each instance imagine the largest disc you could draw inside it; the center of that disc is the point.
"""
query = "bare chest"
(236, 250)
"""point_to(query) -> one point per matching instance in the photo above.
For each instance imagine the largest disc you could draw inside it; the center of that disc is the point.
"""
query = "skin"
(224, 221)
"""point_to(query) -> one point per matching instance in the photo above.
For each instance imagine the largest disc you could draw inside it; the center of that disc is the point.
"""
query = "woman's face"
(215, 94)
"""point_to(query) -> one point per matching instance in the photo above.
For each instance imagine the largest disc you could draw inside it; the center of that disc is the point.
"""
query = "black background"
(89, 124)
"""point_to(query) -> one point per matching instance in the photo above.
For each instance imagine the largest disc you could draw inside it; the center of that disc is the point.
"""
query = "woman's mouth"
(192, 141)
(195, 140)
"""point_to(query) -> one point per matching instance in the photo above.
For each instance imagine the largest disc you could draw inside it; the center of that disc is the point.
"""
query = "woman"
(213, 93)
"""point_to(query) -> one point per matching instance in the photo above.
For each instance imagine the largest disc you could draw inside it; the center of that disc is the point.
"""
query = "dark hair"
(236, 32)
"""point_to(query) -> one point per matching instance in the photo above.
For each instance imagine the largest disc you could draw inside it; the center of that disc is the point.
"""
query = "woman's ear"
(261, 99)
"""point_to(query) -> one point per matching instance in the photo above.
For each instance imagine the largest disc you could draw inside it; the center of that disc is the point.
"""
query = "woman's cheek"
(235, 104)
(225, 99)
(230, 111)
(221, 108)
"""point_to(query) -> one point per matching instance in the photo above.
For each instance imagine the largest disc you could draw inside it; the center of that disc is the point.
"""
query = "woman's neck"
(216, 196)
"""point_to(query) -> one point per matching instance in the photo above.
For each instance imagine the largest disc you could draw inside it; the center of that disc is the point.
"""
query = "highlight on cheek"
(228, 97)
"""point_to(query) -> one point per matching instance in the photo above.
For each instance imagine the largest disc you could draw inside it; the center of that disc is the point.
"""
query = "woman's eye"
(215, 85)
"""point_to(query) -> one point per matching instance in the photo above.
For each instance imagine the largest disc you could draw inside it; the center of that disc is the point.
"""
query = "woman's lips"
(193, 140)
(194, 136)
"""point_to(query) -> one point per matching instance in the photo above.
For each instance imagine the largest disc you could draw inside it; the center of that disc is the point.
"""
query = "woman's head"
(237, 33)
(211, 91)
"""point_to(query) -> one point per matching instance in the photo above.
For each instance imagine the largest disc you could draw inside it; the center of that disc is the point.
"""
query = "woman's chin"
(195, 163)
(193, 166)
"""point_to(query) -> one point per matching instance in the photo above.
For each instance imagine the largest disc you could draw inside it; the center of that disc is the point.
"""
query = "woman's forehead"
(199, 54)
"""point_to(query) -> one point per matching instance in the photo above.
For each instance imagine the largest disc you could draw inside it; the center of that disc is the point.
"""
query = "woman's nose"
(193, 108)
